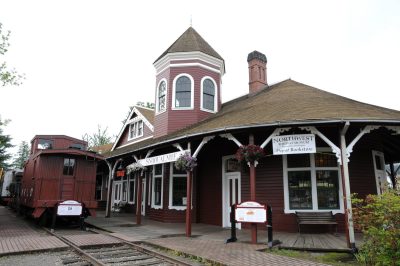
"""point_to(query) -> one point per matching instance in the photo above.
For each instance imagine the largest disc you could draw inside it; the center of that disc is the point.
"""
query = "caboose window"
(45, 144)
(69, 164)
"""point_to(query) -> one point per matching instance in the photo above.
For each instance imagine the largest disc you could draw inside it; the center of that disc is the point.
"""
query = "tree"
(22, 155)
(7, 76)
(98, 138)
(5, 143)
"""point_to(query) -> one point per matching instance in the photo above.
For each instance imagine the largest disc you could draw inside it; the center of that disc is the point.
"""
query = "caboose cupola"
(188, 83)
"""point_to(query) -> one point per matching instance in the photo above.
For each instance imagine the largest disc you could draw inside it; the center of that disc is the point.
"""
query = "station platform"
(19, 236)
(209, 242)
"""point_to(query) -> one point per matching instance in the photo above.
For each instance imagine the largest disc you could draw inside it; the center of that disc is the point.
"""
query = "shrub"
(378, 217)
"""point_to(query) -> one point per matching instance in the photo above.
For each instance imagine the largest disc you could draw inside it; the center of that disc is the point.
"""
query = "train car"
(59, 178)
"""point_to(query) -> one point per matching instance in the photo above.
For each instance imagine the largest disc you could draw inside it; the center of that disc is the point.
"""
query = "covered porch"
(124, 225)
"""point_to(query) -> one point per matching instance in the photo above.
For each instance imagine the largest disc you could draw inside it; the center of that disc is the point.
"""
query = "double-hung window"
(177, 188)
(312, 182)
(157, 186)
(131, 193)
(183, 92)
(208, 95)
(135, 129)
(162, 97)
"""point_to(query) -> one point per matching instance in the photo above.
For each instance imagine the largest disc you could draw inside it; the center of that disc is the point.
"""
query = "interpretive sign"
(69, 208)
(250, 212)
(293, 144)
(165, 158)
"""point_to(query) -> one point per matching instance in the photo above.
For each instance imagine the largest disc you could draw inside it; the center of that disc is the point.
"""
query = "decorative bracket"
(178, 146)
(149, 152)
(135, 157)
(203, 142)
(364, 131)
(231, 137)
(276, 132)
(334, 148)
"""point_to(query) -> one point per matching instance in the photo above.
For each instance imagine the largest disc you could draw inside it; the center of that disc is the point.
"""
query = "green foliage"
(7, 76)
(378, 217)
(98, 138)
(22, 155)
(5, 143)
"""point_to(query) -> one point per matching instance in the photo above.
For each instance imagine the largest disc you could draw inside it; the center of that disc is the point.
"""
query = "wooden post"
(189, 204)
(346, 193)
(253, 192)
(392, 174)
(139, 199)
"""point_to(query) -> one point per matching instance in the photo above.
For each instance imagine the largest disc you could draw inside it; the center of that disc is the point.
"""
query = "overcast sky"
(86, 62)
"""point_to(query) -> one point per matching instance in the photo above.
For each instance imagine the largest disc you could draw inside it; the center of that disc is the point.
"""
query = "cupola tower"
(188, 83)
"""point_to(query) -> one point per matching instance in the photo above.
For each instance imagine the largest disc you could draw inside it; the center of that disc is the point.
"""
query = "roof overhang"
(275, 124)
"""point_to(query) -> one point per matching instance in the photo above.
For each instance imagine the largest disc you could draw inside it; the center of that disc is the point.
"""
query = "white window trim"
(134, 190)
(313, 169)
(122, 191)
(191, 92)
(149, 190)
(152, 187)
(215, 95)
(135, 121)
(166, 96)
(171, 177)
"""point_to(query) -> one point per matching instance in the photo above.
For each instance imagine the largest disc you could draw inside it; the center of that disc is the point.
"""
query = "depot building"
(319, 147)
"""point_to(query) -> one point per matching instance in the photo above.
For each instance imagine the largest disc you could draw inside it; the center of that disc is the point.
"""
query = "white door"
(143, 197)
(380, 173)
(231, 194)
(117, 192)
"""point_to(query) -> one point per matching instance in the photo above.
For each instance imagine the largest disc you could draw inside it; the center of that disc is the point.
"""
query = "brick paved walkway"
(239, 254)
(16, 235)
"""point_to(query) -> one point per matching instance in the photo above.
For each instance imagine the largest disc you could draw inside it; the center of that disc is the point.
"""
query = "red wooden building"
(59, 168)
(353, 142)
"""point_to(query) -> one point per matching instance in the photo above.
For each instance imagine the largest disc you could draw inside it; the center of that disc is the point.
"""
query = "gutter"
(259, 126)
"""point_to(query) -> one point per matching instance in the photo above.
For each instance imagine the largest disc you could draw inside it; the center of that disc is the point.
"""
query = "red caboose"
(59, 169)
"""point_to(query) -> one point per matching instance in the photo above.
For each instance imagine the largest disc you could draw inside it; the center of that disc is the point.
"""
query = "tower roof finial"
(191, 21)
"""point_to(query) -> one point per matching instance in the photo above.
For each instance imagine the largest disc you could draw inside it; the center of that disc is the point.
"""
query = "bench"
(316, 218)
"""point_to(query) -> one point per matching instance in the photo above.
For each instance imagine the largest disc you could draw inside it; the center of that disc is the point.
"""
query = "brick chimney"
(257, 71)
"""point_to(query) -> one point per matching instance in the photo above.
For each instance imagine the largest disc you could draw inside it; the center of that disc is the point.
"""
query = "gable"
(136, 128)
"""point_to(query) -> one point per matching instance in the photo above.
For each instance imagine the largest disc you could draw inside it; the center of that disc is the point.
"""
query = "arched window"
(161, 100)
(209, 95)
(183, 92)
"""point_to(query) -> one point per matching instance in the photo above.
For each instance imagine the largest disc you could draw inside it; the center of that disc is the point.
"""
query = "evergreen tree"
(22, 155)
(5, 143)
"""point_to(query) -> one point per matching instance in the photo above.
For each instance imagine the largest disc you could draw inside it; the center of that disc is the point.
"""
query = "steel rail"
(144, 250)
(87, 256)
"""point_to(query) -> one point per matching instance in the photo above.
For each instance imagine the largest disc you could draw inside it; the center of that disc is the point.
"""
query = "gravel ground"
(35, 259)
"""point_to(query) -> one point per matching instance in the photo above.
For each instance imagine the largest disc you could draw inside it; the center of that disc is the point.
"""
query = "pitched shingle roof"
(147, 113)
(285, 102)
(190, 41)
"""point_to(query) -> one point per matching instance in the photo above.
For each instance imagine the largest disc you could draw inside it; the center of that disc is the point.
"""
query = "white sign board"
(250, 212)
(293, 144)
(69, 208)
(165, 158)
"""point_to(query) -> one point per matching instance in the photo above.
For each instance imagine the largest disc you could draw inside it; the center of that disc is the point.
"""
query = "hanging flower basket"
(135, 167)
(186, 162)
(250, 153)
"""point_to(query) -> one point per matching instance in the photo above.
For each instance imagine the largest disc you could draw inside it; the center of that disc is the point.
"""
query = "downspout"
(346, 190)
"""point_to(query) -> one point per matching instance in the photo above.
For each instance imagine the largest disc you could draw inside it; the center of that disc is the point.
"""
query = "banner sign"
(165, 158)
(293, 144)
(69, 208)
(250, 212)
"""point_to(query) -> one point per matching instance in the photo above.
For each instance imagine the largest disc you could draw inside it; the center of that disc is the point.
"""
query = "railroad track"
(123, 253)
